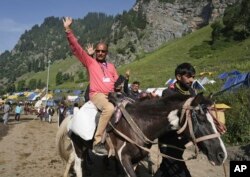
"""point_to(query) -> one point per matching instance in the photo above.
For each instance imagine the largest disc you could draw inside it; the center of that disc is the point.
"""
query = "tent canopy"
(197, 85)
(72, 98)
(237, 81)
(157, 91)
(170, 81)
(47, 97)
(77, 92)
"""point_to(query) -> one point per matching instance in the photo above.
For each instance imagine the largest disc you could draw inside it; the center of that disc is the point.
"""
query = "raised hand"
(67, 21)
(90, 49)
(127, 74)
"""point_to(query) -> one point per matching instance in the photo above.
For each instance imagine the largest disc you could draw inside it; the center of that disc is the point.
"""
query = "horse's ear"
(198, 98)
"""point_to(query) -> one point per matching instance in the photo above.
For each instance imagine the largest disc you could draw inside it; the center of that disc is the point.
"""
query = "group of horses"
(131, 137)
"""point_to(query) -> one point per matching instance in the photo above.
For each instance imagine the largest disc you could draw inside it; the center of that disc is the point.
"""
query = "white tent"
(170, 81)
(205, 80)
(157, 91)
(72, 98)
(38, 104)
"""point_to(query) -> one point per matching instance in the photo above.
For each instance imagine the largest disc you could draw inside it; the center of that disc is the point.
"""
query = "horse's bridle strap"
(147, 149)
(185, 108)
(203, 138)
(188, 122)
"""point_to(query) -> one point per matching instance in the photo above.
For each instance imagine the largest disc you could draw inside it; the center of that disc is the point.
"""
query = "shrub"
(238, 117)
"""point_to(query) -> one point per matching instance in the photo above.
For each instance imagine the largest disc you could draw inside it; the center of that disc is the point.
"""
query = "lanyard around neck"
(102, 65)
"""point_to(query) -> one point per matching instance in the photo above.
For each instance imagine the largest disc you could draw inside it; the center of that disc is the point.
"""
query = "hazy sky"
(16, 16)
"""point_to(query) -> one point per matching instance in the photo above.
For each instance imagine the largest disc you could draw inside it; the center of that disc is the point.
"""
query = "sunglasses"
(102, 51)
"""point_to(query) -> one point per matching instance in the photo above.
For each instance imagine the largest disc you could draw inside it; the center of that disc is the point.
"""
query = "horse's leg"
(88, 158)
(127, 166)
(80, 148)
(65, 153)
(87, 161)
(118, 168)
(77, 166)
(69, 163)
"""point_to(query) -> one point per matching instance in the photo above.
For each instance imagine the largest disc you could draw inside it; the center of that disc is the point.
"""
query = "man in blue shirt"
(18, 112)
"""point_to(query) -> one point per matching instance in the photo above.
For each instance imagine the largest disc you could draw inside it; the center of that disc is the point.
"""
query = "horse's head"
(199, 127)
(115, 97)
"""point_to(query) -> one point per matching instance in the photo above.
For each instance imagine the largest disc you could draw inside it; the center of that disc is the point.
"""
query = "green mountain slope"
(155, 68)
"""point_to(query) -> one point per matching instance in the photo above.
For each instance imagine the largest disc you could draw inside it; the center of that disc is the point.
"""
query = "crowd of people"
(44, 113)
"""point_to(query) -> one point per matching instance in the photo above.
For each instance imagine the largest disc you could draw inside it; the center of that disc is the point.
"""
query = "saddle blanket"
(83, 123)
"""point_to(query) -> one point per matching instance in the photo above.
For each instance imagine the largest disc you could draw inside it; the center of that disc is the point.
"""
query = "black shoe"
(99, 149)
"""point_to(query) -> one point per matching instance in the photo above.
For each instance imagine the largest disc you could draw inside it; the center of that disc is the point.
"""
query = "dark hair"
(136, 82)
(75, 104)
(185, 69)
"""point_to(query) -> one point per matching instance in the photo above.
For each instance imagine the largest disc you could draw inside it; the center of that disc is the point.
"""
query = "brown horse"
(187, 115)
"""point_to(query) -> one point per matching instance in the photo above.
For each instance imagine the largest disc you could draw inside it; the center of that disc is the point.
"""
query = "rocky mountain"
(166, 20)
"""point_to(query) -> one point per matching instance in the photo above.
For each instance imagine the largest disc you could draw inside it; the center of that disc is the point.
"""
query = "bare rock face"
(167, 20)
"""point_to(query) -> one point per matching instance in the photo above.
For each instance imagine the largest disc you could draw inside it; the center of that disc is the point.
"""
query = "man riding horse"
(102, 76)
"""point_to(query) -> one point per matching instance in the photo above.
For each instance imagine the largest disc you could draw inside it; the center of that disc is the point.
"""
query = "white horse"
(65, 148)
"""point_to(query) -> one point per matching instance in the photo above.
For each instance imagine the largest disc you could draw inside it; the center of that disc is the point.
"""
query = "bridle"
(187, 110)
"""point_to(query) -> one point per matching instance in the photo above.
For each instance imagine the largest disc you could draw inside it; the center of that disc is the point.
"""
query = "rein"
(186, 109)
(134, 126)
(147, 149)
(221, 128)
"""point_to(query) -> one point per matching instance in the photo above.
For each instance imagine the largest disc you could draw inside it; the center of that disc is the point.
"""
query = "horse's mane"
(160, 107)
(169, 99)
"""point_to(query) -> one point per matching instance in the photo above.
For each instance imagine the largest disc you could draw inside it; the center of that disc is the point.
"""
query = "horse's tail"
(61, 137)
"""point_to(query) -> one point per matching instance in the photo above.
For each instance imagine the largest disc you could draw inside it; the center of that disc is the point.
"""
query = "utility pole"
(47, 87)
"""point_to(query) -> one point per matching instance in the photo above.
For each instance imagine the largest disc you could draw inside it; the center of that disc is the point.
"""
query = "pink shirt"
(102, 76)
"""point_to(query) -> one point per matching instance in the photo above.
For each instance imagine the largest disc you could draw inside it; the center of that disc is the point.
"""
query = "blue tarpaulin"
(32, 96)
(77, 92)
(51, 103)
(225, 75)
(237, 79)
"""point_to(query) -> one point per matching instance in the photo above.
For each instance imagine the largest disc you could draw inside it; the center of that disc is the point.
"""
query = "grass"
(155, 68)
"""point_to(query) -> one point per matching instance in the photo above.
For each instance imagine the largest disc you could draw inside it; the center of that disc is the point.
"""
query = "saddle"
(85, 122)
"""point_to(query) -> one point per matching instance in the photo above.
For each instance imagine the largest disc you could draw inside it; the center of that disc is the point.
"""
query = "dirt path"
(28, 150)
